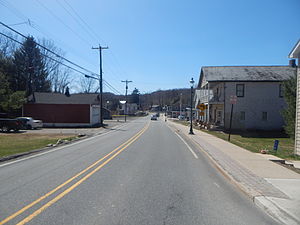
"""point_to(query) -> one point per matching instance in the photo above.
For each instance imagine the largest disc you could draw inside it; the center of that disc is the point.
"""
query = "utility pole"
(126, 81)
(101, 83)
(180, 105)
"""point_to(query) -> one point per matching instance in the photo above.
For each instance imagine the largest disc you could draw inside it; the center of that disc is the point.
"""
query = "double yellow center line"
(110, 156)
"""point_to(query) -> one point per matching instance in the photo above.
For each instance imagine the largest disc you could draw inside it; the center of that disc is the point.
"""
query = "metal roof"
(58, 98)
(246, 73)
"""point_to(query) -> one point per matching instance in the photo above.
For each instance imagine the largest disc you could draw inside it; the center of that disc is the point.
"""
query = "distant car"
(181, 117)
(153, 117)
(30, 123)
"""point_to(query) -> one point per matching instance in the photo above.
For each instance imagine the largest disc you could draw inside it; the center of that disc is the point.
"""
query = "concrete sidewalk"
(272, 187)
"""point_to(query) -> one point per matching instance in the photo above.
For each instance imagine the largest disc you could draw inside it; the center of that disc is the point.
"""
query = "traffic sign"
(201, 106)
(233, 99)
(276, 143)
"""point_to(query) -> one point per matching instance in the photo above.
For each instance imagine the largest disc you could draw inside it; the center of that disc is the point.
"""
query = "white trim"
(297, 47)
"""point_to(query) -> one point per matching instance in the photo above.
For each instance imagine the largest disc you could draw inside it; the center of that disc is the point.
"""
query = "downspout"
(224, 119)
(297, 117)
(208, 119)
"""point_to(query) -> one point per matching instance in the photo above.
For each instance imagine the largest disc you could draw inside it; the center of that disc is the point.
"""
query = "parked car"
(7, 125)
(153, 117)
(30, 123)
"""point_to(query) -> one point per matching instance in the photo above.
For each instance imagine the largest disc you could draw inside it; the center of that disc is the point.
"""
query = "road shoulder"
(265, 182)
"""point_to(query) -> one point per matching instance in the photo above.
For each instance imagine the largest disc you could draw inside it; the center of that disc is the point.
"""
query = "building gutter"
(224, 88)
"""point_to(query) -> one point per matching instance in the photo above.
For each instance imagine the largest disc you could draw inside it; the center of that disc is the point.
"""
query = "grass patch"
(256, 141)
(13, 143)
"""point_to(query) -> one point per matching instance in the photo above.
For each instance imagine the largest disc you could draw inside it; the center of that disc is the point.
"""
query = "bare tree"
(61, 80)
(58, 74)
(88, 85)
(8, 46)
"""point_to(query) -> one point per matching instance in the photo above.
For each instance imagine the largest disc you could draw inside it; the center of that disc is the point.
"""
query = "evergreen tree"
(289, 114)
(9, 100)
(4, 92)
(135, 96)
(31, 75)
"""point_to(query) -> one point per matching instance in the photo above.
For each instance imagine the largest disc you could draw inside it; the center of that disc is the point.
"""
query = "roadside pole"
(100, 48)
(233, 100)
(127, 82)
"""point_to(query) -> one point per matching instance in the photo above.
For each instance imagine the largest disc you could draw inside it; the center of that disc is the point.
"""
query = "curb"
(275, 211)
(267, 205)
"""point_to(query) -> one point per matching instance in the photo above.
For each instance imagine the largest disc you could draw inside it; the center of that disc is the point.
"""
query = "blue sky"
(161, 44)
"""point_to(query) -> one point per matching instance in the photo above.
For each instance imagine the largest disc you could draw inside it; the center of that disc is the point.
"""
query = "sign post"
(276, 143)
(233, 100)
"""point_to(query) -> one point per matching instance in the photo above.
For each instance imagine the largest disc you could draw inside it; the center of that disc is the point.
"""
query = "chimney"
(67, 92)
(292, 62)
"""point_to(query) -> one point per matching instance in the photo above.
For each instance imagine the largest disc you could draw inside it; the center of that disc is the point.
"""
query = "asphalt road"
(151, 177)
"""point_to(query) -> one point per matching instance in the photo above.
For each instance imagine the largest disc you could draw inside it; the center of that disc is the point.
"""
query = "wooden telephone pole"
(101, 83)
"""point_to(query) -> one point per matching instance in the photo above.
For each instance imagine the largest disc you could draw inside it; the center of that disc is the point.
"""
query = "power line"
(43, 54)
(32, 24)
(105, 82)
(61, 21)
(74, 64)
(111, 87)
(81, 19)
(78, 21)
(88, 27)
(13, 9)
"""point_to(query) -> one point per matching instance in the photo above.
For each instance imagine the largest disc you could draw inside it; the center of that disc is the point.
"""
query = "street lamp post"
(191, 114)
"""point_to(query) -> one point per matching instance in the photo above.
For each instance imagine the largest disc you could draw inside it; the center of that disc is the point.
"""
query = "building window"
(280, 90)
(242, 115)
(240, 88)
(264, 116)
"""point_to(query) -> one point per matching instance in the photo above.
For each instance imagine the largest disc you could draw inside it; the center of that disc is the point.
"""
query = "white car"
(30, 123)
(153, 117)
(181, 117)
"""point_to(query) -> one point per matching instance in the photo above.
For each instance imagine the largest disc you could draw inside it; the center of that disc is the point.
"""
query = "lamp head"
(192, 82)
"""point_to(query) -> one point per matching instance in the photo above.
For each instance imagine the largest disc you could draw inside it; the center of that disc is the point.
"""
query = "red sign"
(233, 99)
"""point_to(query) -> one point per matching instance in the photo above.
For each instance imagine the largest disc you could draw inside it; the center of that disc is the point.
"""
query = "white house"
(132, 108)
(258, 91)
(295, 54)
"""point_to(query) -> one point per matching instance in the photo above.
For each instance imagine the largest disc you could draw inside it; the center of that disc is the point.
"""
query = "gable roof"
(295, 53)
(245, 73)
(58, 98)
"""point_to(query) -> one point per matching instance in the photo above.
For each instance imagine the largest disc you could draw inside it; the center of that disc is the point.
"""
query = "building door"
(220, 116)
(95, 115)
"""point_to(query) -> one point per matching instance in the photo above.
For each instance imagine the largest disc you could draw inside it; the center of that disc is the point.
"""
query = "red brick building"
(59, 110)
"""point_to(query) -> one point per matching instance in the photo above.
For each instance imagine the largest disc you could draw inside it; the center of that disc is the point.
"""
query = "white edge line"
(191, 150)
(58, 148)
